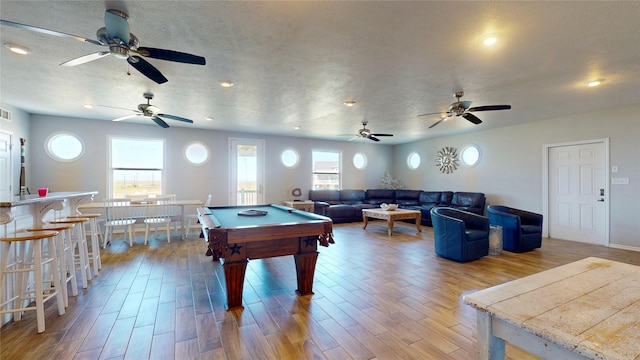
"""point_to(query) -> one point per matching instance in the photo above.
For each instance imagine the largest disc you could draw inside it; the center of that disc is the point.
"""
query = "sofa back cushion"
(408, 197)
(332, 197)
(430, 197)
(468, 200)
(379, 196)
(446, 198)
(352, 197)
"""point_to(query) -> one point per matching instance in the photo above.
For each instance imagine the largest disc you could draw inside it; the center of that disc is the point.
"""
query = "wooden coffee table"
(391, 216)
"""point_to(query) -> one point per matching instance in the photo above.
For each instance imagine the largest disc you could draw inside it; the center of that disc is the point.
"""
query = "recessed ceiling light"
(490, 39)
(349, 103)
(297, 127)
(88, 106)
(226, 83)
(594, 83)
(18, 49)
(209, 118)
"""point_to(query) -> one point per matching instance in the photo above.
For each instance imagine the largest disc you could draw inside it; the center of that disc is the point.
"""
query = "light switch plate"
(620, 181)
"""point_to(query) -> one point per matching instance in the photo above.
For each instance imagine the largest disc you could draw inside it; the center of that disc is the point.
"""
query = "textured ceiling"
(296, 63)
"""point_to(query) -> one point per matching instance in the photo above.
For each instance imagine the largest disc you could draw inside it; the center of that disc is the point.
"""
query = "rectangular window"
(326, 170)
(136, 166)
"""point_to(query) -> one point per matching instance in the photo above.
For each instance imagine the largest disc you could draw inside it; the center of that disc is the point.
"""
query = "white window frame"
(314, 172)
(110, 181)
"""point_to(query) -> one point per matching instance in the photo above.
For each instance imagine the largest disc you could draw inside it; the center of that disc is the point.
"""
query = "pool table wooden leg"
(234, 277)
(305, 269)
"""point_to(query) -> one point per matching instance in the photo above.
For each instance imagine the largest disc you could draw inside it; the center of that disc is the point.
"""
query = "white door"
(5, 166)
(578, 192)
(247, 171)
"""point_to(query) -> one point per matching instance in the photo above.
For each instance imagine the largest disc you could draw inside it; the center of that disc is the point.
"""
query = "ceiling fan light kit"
(122, 44)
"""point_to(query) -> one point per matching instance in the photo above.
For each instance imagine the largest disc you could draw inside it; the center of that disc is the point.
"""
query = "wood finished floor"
(376, 297)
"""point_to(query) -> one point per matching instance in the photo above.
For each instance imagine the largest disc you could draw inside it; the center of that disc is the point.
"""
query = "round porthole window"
(289, 158)
(470, 155)
(196, 153)
(413, 161)
(64, 146)
(359, 161)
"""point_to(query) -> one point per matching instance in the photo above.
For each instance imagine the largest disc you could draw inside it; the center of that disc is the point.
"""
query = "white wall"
(183, 179)
(510, 170)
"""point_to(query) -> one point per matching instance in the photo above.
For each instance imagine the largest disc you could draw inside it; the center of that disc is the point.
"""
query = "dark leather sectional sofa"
(346, 205)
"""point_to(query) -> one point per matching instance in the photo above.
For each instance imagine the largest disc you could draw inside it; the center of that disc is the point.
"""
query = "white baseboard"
(624, 247)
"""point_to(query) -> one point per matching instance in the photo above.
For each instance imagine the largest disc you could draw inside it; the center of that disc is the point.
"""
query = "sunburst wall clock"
(447, 160)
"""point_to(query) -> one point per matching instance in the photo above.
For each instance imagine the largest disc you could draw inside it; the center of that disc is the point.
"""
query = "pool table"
(234, 238)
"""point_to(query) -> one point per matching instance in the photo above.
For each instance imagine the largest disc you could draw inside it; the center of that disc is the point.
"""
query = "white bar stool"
(65, 257)
(94, 254)
(30, 259)
(79, 242)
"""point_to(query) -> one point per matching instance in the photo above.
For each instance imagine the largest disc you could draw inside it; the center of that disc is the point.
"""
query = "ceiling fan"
(149, 111)
(122, 44)
(366, 133)
(461, 108)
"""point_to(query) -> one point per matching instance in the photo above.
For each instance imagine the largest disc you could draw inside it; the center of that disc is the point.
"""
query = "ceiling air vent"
(5, 114)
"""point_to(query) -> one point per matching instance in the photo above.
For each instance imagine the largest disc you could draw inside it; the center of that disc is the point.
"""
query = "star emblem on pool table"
(309, 241)
(235, 249)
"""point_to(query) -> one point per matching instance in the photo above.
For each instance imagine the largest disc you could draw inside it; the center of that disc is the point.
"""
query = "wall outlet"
(614, 169)
(620, 181)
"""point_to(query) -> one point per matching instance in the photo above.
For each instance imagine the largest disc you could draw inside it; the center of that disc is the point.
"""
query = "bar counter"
(21, 212)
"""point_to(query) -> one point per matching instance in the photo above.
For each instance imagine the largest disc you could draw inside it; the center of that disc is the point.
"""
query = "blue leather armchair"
(460, 235)
(521, 230)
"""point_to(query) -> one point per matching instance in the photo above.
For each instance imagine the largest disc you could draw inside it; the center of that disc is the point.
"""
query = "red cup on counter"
(42, 192)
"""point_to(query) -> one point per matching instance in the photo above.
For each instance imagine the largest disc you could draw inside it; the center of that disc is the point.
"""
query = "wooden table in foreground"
(588, 309)
(234, 239)
(391, 216)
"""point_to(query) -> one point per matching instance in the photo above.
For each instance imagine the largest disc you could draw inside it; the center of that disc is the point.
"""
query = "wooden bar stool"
(79, 242)
(65, 257)
(30, 259)
(94, 254)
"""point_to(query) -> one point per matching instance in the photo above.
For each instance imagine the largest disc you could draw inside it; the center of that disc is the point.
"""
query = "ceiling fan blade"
(126, 117)
(490, 108)
(146, 69)
(434, 113)
(474, 119)
(438, 122)
(381, 134)
(173, 117)
(160, 122)
(171, 55)
(48, 32)
(119, 108)
(117, 25)
(85, 58)
(371, 137)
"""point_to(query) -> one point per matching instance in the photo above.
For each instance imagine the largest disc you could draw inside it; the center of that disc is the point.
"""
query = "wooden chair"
(118, 214)
(194, 217)
(157, 214)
